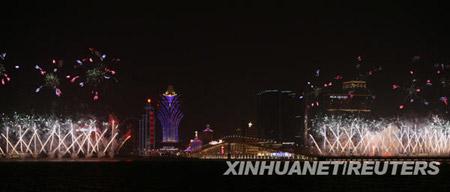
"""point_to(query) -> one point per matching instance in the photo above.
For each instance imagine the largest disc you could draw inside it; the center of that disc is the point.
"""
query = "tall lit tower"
(170, 115)
(147, 129)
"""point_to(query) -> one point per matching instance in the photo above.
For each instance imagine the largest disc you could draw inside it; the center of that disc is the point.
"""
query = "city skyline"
(193, 96)
(226, 57)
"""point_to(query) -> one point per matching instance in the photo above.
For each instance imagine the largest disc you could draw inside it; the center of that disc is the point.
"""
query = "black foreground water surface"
(190, 175)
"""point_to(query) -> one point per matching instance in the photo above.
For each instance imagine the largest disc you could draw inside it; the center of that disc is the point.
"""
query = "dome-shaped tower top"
(170, 91)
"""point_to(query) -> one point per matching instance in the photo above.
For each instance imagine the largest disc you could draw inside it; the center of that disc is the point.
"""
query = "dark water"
(158, 175)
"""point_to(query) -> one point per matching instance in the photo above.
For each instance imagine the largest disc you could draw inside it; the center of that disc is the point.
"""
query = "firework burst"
(32, 136)
(50, 77)
(94, 71)
(4, 75)
(429, 91)
(356, 136)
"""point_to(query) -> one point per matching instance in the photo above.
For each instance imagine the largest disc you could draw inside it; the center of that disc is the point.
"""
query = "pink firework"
(50, 76)
(93, 71)
(4, 75)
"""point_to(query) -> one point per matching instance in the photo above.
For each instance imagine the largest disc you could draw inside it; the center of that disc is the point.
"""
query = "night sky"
(218, 56)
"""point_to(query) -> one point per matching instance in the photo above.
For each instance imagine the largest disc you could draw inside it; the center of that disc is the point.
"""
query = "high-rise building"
(278, 115)
(169, 116)
(146, 134)
(353, 97)
(350, 96)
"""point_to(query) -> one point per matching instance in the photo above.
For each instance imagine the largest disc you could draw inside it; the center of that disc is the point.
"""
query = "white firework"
(32, 136)
(356, 136)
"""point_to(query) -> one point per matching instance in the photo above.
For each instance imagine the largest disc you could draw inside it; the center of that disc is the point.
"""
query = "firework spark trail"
(4, 70)
(421, 90)
(4, 78)
(31, 136)
(355, 136)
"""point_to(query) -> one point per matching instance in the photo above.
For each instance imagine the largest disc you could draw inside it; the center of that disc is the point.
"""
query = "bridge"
(240, 147)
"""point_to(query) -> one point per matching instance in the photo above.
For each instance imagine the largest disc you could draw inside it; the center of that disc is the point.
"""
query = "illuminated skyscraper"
(170, 115)
(147, 130)
(354, 97)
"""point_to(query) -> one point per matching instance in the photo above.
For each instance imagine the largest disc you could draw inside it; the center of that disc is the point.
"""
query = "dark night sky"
(218, 56)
